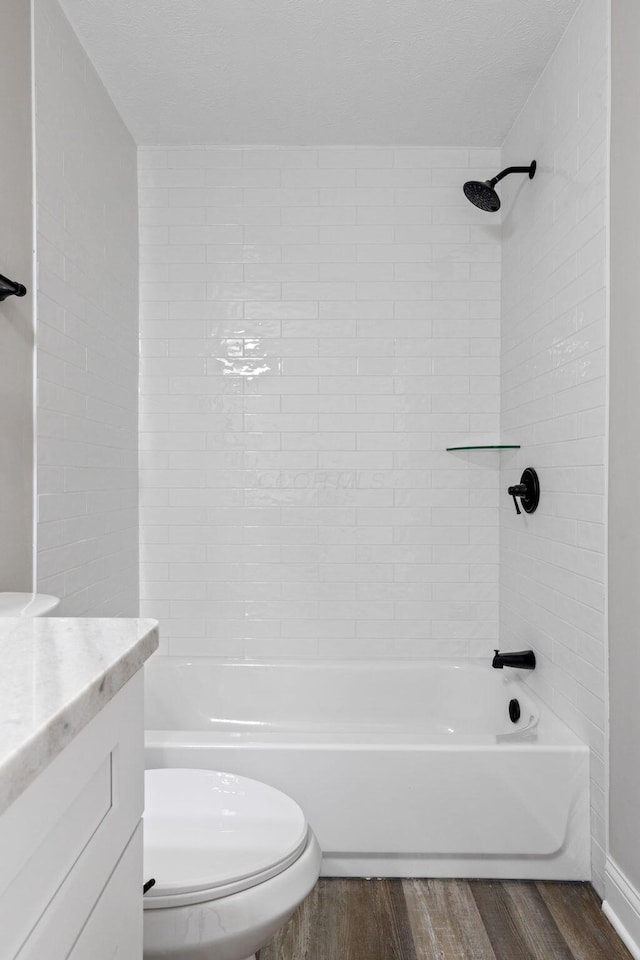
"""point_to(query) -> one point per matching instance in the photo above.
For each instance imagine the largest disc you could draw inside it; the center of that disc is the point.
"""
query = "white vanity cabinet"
(71, 845)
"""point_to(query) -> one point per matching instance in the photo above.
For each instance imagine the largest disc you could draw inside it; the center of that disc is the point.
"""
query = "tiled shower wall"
(87, 332)
(317, 326)
(554, 393)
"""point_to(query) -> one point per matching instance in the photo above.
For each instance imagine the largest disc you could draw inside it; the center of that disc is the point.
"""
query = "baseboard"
(622, 907)
(562, 867)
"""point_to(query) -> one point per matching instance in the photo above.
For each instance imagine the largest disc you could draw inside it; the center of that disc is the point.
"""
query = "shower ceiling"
(319, 71)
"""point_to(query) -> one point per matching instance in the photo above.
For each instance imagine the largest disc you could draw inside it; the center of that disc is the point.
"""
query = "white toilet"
(231, 858)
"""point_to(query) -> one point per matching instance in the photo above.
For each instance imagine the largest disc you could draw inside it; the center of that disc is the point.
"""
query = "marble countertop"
(55, 675)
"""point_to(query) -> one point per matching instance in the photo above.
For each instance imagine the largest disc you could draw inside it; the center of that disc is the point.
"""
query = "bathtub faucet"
(524, 660)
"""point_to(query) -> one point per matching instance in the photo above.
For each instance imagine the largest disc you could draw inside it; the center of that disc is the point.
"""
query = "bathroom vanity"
(71, 787)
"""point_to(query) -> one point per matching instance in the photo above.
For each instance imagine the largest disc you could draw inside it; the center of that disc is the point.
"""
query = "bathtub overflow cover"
(514, 711)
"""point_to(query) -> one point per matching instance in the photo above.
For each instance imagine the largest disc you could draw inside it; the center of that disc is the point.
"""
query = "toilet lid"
(209, 834)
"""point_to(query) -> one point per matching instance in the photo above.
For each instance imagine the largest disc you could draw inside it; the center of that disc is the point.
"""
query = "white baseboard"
(622, 907)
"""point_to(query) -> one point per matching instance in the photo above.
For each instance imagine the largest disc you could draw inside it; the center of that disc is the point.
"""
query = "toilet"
(231, 858)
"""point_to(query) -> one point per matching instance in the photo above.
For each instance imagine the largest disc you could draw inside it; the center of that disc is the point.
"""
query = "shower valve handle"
(518, 490)
(526, 494)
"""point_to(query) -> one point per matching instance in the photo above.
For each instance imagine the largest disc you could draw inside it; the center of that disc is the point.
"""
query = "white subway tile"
(553, 384)
(355, 157)
(317, 178)
(322, 425)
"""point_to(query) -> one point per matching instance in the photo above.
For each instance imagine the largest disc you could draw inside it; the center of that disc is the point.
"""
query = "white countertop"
(55, 676)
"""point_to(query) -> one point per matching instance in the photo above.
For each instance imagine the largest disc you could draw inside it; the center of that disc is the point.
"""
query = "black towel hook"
(10, 288)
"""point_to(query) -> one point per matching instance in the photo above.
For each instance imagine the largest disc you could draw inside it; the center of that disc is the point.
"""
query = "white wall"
(624, 535)
(87, 332)
(317, 326)
(16, 315)
(554, 394)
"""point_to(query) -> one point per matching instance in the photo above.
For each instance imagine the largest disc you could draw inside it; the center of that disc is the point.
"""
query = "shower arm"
(505, 173)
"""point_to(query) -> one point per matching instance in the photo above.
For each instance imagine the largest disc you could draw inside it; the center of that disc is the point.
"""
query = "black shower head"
(482, 193)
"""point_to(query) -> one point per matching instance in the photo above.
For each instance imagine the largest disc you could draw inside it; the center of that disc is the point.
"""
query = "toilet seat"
(209, 834)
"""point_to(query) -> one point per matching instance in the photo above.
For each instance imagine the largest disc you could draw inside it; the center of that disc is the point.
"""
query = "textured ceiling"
(319, 71)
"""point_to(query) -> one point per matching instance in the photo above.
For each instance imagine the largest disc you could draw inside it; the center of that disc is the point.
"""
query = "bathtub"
(404, 768)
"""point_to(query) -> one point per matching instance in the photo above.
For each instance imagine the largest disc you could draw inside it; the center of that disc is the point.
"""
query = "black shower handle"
(519, 490)
(11, 288)
(527, 491)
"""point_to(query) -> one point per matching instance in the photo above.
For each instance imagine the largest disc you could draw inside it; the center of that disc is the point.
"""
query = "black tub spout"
(11, 288)
(523, 660)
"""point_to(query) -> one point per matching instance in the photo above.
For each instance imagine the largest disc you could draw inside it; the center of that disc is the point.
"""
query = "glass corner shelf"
(487, 446)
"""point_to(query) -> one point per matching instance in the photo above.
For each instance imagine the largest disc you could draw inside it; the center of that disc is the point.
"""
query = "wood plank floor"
(447, 920)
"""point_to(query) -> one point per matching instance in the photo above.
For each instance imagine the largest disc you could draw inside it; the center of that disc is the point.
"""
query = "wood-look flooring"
(447, 920)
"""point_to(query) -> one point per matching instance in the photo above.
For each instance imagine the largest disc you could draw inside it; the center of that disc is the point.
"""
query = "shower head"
(482, 194)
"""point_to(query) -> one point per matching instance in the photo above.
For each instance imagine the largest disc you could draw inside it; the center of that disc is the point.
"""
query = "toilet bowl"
(231, 858)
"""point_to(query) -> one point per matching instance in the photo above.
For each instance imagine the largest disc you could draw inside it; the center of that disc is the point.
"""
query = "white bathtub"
(404, 768)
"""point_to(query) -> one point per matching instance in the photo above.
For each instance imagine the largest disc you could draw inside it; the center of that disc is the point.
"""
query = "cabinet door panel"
(114, 929)
(63, 837)
(32, 888)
